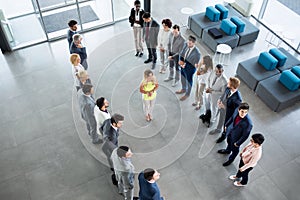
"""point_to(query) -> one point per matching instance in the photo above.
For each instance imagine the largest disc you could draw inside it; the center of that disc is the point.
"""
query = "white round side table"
(224, 50)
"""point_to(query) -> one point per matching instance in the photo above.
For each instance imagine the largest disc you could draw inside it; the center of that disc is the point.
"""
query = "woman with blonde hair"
(204, 68)
(148, 89)
(75, 60)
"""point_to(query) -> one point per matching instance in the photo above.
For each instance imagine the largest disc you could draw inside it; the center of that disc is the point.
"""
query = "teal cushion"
(212, 13)
(296, 70)
(228, 27)
(281, 57)
(267, 61)
(223, 10)
(239, 23)
(289, 80)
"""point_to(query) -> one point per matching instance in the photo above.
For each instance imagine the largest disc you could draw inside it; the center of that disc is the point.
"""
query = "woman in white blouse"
(101, 113)
(163, 39)
(75, 60)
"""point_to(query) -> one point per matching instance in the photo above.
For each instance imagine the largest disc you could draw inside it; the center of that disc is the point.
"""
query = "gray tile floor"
(45, 153)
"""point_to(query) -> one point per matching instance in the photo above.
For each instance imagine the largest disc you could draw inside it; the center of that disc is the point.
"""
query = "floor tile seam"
(284, 150)
(277, 186)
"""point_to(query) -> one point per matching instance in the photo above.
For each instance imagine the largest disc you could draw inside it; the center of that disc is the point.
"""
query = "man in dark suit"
(87, 104)
(238, 129)
(77, 47)
(228, 102)
(136, 22)
(150, 33)
(73, 30)
(110, 129)
(189, 58)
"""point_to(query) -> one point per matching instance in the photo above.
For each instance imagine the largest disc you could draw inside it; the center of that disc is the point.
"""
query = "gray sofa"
(275, 95)
(290, 62)
(198, 22)
(231, 40)
(251, 72)
(250, 33)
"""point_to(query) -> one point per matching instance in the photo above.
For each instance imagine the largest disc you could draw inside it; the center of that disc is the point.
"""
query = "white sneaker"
(238, 184)
(232, 177)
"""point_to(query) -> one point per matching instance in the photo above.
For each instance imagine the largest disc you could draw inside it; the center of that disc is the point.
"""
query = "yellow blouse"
(149, 86)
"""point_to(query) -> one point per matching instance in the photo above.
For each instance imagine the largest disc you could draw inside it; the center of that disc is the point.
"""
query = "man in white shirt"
(101, 113)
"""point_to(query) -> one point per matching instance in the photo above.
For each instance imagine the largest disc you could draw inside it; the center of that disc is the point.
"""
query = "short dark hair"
(137, 2)
(116, 118)
(100, 102)
(219, 66)
(72, 22)
(258, 138)
(176, 27)
(122, 150)
(146, 15)
(167, 22)
(244, 106)
(192, 38)
(86, 88)
(148, 173)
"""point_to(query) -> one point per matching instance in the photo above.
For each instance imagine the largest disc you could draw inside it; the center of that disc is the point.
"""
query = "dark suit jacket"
(80, 51)
(151, 41)
(70, 35)
(109, 133)
(231, 102)
(241, 131)
(193, 57)
(132, 17)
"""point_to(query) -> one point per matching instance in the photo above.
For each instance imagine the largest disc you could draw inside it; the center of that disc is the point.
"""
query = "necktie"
(147, 31)
(214, 81)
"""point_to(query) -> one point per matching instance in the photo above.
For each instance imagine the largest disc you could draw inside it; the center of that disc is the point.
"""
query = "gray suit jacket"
(151, 41)
(176, 46)
(124, 170)
(219, 86)
(193, 57)
(87, 105)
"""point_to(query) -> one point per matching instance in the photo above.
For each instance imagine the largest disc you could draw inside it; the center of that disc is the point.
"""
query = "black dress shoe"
(221, 139)
(137, 53)
(141, 54)
(135, 198)
(98, 141)
(228, 162)
(223, 151)
(147, 61)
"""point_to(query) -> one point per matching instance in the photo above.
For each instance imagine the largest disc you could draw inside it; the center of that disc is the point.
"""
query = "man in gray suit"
(216, 83)
(189, 58)
(87, 104)
(124, 170)
(150, 33)
(175, 45)
(110, 129)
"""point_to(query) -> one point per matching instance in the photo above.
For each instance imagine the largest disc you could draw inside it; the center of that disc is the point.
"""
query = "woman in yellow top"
(148, 88)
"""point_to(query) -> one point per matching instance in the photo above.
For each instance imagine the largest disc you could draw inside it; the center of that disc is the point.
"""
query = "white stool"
(224, 50)
(271, 38)
(289, 37)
